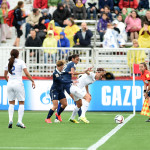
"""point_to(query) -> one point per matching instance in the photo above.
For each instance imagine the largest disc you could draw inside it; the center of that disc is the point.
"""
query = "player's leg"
(51, 111)
(20, 115)
(76, 109)
(86, 102)
(149, 106)
(11, 113)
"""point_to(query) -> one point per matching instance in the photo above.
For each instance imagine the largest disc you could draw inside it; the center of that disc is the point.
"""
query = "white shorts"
(15, 90)
(77, 92)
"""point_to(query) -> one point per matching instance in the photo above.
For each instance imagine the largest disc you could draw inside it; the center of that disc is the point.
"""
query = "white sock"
(74, 113)
(11, 112)
(20, 113)
(84, 108)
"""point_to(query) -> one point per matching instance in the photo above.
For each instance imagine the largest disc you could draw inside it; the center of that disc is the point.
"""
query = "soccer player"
(15, 88)
(57, 92)
(70, 67)
(80, 93)
(146, 79)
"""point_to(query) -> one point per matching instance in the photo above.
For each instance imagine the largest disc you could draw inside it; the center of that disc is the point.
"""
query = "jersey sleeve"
(147, 77)
(92, 75)
(73, 65)
(23, 65)
(6, 68)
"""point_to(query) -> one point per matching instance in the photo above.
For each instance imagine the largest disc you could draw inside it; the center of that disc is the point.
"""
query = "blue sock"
(60, 110)
(59, 105)
(50, 113)
(80, 111)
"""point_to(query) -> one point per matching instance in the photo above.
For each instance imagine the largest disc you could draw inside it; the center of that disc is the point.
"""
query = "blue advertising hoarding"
(106, 96)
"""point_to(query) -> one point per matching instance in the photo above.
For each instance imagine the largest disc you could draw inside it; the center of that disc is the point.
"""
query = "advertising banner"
(106, 96)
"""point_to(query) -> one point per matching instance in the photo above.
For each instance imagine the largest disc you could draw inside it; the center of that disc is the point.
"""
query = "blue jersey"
(67, 69)
(58, 81)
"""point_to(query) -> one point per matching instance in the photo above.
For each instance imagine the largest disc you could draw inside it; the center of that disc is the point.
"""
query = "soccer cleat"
(84, 120)
(74, 121)
(148, 120)
(58, 116)
(10, 124)
(21, 125)
(56, 121)
(48, 120)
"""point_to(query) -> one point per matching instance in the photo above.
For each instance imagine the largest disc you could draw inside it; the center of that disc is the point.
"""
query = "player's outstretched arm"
(29, 77)
(5, 75)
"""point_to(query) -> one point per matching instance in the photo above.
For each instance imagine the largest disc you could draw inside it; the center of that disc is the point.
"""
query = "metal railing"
(41, 62)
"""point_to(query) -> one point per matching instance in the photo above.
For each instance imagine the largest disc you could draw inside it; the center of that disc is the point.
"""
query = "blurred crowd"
(52, 23)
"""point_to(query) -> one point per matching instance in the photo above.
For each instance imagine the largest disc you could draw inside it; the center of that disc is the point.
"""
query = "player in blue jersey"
(70, 67)
(57, 92)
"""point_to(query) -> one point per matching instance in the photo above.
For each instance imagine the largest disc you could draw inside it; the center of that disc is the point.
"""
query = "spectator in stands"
(40, 29)
(70, 30)
(103, 3)
(122, 28)
(128, 4)
(112, 38)
(135, 56)
(124, 14)
(46, 16)
(146, 18)
(92, 7)
(84, 2)
(50, 41)
(33, 41)
(52, 4)
(32, 20)
(83, 37)
(63, 42)
(116, 3)
(8, 5)
(69, 4)
(116, 11)
(143, 4)
(56, 30)
(18, 17)
(133, 23)
(5, 30)
(60, 15)
(144, 36)
(107, 11)
(102, 26)
(79, 11)
(41, 4)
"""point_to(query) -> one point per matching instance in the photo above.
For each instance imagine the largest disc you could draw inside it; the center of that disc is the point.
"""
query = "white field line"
(101, 141)
(44, 148)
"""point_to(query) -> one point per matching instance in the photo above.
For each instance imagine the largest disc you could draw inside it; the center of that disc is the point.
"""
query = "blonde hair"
(135, 41)
(6, 6)
(60, 63)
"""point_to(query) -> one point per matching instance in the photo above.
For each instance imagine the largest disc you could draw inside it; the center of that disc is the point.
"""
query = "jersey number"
(13, 69)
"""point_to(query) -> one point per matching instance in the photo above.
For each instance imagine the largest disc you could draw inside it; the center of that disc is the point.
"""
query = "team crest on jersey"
(147, 75)
(57, 75)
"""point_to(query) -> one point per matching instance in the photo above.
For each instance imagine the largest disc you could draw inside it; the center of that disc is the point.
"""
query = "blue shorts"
(57, 95)
(67, 88)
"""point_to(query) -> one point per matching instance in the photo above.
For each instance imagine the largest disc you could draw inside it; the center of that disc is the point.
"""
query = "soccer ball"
(119, 119)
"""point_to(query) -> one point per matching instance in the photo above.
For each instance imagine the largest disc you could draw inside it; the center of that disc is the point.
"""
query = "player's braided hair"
(14, 54)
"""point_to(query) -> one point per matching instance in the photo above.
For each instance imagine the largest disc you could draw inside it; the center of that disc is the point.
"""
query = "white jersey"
(17, 68)
(85, 80)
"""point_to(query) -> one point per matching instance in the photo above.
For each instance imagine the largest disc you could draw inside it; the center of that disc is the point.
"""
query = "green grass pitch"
(133, 135)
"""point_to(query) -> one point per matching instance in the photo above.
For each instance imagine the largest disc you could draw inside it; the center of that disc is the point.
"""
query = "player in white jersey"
(80, 91)
(15, 88)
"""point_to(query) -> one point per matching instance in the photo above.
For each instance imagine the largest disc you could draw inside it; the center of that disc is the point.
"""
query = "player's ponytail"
(144, 64)
(14, 54)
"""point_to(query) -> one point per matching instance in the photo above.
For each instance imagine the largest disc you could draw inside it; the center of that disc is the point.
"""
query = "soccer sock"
(74, 113)
(84, 108)
(20, 113)
(11, 112)
(50, 113)
(59, 105)
(79, 112)
(60, 110)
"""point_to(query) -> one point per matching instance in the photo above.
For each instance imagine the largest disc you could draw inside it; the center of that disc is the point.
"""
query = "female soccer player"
(57, 92)
(68, 71)
(15, 88)
(146, 79)
(80, 93)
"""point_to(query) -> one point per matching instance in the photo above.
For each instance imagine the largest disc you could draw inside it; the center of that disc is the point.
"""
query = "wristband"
(144, 91)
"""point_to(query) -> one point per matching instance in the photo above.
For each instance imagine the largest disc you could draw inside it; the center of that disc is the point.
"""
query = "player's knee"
(65, 104)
